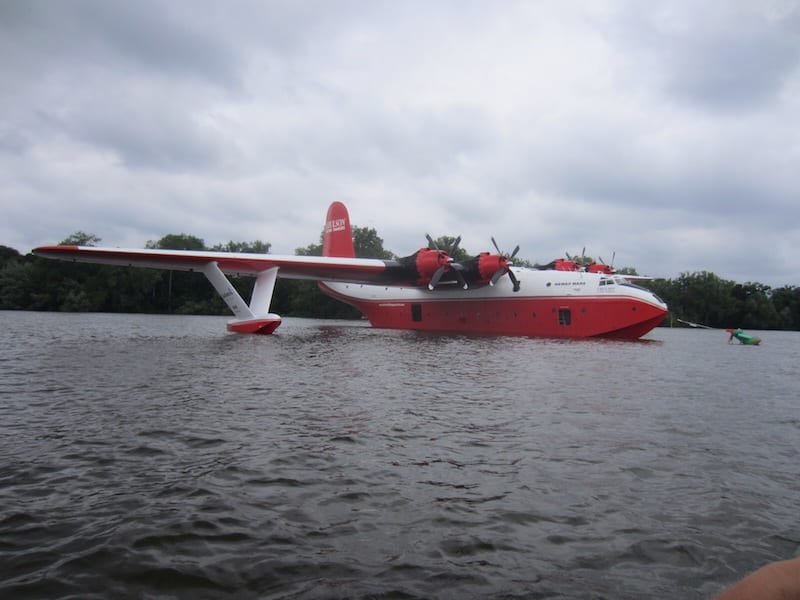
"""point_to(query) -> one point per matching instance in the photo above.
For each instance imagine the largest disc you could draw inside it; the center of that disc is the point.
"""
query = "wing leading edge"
(354, 270)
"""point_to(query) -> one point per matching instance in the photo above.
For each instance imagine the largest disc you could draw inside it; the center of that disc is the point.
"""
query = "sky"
(664, 133)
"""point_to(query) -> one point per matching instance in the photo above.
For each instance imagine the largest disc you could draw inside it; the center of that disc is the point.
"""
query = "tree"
(254, 247)
(7, 254)
(705, 298)
(80, 238)
(16, 278)
(753, 307)
(368, 244)
(178, 291)
(786, 302)
(177, 241)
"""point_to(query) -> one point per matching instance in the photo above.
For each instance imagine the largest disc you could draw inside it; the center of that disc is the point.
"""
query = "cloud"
(725, 57)
(662, 132)
(99, 38)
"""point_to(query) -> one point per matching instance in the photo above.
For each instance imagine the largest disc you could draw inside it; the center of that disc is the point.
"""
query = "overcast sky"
(665, 132)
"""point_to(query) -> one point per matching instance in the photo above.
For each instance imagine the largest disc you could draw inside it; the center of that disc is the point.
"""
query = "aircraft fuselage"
(550, 303)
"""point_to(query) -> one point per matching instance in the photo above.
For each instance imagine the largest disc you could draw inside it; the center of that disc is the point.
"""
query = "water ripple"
(159, 457)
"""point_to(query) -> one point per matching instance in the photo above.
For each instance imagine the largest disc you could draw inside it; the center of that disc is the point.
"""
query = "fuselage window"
(564, 316)
(416, 312)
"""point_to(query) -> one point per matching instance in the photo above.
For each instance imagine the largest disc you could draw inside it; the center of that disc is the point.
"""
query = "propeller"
(446, 263)
(504, 266)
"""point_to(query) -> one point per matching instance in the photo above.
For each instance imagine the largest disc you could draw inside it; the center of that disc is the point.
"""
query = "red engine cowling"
(489, 264)
(600, 268)
(428, 262)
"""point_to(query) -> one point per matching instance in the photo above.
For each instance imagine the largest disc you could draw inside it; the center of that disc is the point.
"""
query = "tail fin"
(337, 239)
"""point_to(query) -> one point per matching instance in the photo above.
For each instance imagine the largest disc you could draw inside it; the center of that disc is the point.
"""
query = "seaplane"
(427, 291)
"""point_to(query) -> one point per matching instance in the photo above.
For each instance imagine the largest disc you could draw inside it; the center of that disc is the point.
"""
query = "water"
(161, 457)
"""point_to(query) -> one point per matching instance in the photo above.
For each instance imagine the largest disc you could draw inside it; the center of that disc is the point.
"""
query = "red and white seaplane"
(428, 290)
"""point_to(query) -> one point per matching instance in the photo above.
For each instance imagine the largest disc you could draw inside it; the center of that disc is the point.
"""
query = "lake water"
(161, 457)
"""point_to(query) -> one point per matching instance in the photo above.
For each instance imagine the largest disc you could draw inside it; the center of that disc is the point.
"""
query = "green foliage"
(786, 302)
(16, 278)
(522, 262)
(7, 254)
(255, 247)
(368, 244)
(705, 298)
(310, 250)
(80, 238)
(177, 241)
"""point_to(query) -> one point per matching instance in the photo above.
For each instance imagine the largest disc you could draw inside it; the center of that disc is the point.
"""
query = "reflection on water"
(149, 456)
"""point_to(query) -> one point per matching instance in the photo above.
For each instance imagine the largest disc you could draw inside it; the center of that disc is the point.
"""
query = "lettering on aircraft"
(335, 225)
(569, 283)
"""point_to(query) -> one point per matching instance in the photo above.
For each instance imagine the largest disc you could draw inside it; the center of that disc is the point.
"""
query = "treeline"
(704, 298)
(33, 283)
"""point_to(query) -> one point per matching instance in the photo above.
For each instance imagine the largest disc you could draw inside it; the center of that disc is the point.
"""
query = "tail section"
(337, 239)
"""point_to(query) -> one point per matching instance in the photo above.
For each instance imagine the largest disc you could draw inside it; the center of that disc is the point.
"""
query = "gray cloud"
(721, 56)
(88, 36)
(663, 132)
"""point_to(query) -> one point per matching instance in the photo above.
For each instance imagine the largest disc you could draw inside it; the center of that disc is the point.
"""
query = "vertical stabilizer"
(338, 239)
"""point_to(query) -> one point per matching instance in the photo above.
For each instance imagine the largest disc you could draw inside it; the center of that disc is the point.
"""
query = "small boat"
(744, 338)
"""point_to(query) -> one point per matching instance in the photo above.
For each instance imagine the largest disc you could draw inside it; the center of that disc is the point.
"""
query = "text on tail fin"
(337, 240)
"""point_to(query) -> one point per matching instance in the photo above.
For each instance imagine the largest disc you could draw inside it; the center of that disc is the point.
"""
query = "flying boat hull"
(555, 304)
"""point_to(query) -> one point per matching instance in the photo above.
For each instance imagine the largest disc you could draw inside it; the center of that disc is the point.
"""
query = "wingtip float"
(427, 290)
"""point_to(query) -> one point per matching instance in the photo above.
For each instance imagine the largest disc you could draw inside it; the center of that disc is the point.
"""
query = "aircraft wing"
(355, 270)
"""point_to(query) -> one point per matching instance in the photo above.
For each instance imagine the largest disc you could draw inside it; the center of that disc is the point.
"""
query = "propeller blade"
(456, 268)
(501, 253)
(454, 247)
(497, 275)
(437, 275)
(431, 243)
(500, 272)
